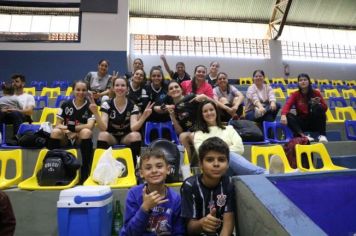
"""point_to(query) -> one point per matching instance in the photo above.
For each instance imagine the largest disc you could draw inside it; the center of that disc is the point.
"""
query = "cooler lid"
(85, 196)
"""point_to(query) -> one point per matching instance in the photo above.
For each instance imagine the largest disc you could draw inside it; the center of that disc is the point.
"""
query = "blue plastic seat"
(279, 86)
(353, 102)
(60, 99)
(325, 86)
(292, 86)
(337, 102)
(41, 102)
(350, 128)
(160, 127)
(341, 87)
(280, 133)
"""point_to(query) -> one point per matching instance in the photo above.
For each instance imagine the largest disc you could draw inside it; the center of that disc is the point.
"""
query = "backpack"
(289, 149)
(31, 139)
(59, 168)
(248, 130)
(172, 155)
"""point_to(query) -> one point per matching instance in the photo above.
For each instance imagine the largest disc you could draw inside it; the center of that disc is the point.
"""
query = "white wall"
(100, 31)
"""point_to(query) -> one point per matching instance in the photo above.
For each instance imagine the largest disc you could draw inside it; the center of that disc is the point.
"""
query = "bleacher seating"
(331, 93)
(53, 92)
(30, 90)
(276, 132)
(8, 179)
(32, 182)
(347, 93)
(41, 102)
(318, 148)
(336, 101)
(128, 179)
(159, 128)
(265, 152)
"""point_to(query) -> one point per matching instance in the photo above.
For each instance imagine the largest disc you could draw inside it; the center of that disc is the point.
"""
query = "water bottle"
(118, 219)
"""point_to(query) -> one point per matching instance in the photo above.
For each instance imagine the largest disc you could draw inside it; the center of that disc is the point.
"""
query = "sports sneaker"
(310, 138)
(276, 165)
(322, 139)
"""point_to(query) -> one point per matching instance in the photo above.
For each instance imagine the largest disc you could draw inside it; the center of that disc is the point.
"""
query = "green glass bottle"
(118, 219)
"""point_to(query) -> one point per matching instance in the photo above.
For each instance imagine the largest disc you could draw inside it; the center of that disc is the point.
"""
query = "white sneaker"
(322, 139)
(276, 165)
(310, 138)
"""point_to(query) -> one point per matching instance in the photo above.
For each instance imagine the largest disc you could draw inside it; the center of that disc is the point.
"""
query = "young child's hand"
(150, 200)
(210, 223)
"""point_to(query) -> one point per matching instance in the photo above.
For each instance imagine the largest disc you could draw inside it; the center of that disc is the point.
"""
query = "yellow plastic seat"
(278, 81)
(30, 90)
(123, 154)
(312, 81)
(342, 112)
(350, 82)
(32, 183)
(53, 92)
(290, 91)
(278, 92)
(347, 93)
(185, 162)
(331, 93)
(246, 80)
(292, 80)
(337, 82)
(322, 81)
(47, 111)
(330, 118)
(266, 152)
(69, 91)
(6, 156)
(319, 149)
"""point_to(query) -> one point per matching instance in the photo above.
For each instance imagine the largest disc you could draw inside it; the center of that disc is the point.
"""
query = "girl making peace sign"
(120, 121)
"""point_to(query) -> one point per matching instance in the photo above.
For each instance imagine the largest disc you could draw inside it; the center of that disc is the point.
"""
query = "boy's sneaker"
(276, 165)
(322, 139)
(310, 138)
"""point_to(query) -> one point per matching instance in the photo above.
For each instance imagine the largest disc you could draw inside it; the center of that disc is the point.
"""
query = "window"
(39, 22)
(200, 46)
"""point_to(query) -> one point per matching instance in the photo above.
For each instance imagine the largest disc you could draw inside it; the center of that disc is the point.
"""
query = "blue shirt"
(164, 219)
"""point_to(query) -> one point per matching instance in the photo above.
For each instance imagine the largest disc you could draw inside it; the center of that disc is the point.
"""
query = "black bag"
(31, 139)
(59, 168)
(248, 130)
(172, 155)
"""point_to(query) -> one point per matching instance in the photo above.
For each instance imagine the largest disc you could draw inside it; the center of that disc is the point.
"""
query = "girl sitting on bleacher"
(74, 126)
(310, 107)
(261, 102)
(229, 99)
(120, 120)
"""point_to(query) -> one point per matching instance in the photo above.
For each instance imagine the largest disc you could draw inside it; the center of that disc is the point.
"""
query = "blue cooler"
(85, 210)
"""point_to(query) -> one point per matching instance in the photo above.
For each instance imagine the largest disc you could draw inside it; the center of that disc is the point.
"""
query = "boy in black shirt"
(208, 199)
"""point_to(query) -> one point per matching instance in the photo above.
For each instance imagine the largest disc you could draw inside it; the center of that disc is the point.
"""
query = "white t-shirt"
(26, 100)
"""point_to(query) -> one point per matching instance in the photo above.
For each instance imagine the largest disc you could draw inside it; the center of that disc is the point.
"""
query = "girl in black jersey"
(137, 93)
(74, 126)
(182, 111)
(157, 93)
(120, 119)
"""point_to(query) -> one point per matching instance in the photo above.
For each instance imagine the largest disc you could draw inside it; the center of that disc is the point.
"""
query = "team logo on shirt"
(221, 200)
(68, 111)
